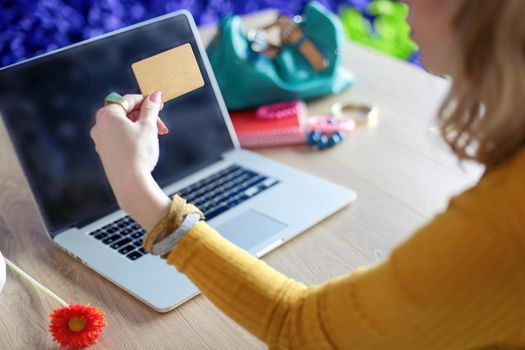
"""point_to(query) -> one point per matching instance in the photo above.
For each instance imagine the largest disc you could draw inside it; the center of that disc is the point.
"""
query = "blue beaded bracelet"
(320, 141)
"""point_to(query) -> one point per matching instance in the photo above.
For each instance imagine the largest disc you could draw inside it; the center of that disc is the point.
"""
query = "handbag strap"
(293, 35)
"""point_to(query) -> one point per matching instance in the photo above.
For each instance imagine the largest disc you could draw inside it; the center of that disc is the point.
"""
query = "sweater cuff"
(187, 246)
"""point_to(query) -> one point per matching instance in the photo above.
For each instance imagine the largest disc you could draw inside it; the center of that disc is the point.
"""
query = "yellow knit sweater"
(457, 283)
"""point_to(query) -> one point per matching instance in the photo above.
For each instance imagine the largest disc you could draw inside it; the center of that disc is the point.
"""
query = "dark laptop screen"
(49, 104)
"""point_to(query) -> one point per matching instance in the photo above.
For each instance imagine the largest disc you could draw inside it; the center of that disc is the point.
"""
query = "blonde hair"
(483, 116)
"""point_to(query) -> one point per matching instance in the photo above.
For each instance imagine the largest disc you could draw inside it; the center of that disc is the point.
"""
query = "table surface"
(401, 170)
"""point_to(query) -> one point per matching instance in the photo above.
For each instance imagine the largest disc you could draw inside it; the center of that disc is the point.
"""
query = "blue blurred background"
(29, 28)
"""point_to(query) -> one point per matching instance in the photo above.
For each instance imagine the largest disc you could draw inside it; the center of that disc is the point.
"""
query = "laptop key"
(96, 232)
(101, 235)
(269, 182)
(120, 243)
(134, 255)
(111, 239)
(126, 249)
(137, 234)
(215, 211)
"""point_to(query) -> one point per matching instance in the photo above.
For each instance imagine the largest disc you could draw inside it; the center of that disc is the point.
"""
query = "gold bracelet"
(362, 114)
(170, 222)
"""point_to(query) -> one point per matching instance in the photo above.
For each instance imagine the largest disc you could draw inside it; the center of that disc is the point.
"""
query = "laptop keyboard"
(213, 195)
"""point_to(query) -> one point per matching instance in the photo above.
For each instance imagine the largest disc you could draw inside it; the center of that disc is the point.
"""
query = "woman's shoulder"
(506, 180)
(498, 200)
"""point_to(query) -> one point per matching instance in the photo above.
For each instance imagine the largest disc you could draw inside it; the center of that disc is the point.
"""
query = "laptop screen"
(48, 105)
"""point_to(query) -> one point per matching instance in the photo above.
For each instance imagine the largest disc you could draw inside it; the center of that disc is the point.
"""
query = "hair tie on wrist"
(171, 221)
(166, 245)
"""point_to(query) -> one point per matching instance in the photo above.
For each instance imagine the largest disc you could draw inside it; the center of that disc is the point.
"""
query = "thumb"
(149, 110)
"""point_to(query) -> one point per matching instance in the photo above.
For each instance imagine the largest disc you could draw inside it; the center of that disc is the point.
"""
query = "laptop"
(48, 105)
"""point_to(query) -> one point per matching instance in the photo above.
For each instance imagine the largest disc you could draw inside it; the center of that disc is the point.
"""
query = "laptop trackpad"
(250, 228)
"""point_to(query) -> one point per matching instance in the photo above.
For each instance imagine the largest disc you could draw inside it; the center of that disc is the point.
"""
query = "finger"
(134, 102)
(134, 116)
(92, 133)
(149, 111)
(113, 109)
(163, 129)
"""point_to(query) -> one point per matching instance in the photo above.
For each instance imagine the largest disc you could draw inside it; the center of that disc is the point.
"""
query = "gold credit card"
(174, 72)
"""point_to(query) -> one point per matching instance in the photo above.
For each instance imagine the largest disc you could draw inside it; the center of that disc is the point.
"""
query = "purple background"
(29, 28)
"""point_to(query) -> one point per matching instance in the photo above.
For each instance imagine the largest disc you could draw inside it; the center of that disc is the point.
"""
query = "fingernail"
(155, 97)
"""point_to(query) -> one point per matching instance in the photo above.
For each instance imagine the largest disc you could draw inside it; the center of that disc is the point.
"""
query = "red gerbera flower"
(76, 326)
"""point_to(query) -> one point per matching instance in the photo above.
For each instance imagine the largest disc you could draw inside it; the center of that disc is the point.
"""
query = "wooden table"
(402, 173)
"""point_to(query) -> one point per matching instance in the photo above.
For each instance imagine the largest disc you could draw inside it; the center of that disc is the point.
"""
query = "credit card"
(174, 72)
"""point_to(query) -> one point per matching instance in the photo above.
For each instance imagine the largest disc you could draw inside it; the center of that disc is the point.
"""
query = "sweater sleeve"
(453, 284)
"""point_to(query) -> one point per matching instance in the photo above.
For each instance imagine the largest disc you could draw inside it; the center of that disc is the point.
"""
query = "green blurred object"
(389, 31)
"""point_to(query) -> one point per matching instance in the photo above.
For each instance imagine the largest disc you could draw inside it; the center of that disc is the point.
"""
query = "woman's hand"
(128, 146)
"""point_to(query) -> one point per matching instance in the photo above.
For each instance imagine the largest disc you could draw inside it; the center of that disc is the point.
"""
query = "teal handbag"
(306, 64)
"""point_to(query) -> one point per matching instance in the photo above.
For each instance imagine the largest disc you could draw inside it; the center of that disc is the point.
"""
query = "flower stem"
(34, 282)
